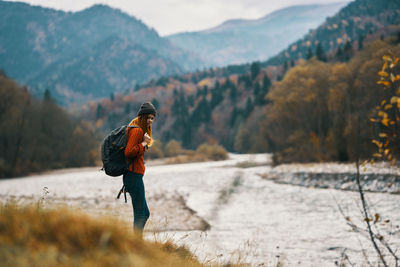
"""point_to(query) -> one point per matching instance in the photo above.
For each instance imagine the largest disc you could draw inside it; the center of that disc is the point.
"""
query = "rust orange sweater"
(134, 150)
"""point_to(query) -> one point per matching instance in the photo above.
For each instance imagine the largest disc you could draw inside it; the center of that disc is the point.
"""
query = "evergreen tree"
(309, 53)
(249, 107)
(347, 51)
(216, 97)
(155, 103)
(256, 91)
(233, 93)
(255, 69)
(320, 53)
(100, 112)
(198, 92)
(285, 67)
(234, 116)
(205, 90)
(339, 53)
(47, 96)
(191, 100)
(360, 42)
(266, 83)
(217, 86)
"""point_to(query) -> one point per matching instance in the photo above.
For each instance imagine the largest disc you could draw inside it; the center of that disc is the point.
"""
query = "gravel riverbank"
(374, 178)
(225, 212)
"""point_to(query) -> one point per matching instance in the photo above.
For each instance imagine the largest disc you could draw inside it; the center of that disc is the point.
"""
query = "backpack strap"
(122, 190)
(132, 126)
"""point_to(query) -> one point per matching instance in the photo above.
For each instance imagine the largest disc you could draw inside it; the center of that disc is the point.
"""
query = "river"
(225, 211)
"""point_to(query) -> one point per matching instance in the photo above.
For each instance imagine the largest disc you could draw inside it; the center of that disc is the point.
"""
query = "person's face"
(150, 119)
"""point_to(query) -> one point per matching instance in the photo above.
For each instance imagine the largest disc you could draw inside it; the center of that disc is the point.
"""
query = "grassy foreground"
(33, 236)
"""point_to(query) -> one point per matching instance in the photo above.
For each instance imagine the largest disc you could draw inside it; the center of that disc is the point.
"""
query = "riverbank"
(222, 210)
(379, 177)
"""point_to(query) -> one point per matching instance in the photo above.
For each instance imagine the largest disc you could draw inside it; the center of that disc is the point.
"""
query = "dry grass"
(33, 236)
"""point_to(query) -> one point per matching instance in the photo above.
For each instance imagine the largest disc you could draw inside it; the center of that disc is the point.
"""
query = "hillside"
(234, 105)
(81, 78)
(39, 45)
(360, 22)
(241, 41)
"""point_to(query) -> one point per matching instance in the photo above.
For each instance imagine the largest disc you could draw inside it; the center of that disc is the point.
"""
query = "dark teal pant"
(134, 185)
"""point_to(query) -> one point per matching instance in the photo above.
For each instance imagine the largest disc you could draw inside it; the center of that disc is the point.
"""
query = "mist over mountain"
(241, 41)
(49, 49)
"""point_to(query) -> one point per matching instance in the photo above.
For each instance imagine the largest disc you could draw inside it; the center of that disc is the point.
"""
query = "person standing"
(139, 139)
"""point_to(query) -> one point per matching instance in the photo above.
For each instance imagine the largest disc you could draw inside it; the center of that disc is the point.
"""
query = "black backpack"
(112, 153)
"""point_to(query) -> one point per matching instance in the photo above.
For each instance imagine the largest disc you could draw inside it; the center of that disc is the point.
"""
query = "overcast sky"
(172, 16)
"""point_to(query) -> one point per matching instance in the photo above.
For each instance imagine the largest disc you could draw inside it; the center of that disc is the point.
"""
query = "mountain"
(95, 73)
(361, 21)
(228, 105)
(42, 47)
(240, 41)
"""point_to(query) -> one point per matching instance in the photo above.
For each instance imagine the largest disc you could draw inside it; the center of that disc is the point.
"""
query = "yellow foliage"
(384, 66)
(379, 144)
(99, 123)
(385, 83)
(388, 106)
(387, 58)
(394, 63)
(385, 121)
(392, 77)
(204, 82)
(383, 74)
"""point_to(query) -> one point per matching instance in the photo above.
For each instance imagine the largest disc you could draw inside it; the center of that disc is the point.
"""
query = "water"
(252, 220)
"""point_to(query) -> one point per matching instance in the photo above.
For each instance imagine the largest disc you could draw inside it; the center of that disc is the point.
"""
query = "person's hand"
(146, 139)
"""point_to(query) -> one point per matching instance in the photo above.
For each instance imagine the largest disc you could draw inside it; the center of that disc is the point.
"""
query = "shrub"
(156, 150)
(174, 148)
(212, 152)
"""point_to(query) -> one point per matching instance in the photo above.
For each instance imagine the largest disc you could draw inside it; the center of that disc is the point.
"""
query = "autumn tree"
(298, 119)
(387, 113)
(39, 135)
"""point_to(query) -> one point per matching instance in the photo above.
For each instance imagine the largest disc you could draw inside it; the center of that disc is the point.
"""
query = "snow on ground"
(252, 220)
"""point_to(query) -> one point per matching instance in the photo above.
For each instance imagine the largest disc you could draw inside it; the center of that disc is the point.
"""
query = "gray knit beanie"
(147, 108)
